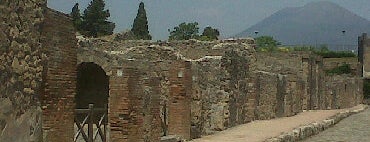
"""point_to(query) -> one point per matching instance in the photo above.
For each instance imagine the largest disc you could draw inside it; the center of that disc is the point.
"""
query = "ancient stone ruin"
(153, 91)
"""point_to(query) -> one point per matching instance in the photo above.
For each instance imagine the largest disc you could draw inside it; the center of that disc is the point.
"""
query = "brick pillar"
(57, 99)
(179, 121)
(133, 106)
(251, 104)
(136, 118)
(306, 83)
(151, 110)
(118, 112)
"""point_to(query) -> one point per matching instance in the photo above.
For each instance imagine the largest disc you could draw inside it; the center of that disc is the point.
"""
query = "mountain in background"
(315, 23)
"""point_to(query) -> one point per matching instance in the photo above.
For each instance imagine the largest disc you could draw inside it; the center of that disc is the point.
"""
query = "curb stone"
(314, 128)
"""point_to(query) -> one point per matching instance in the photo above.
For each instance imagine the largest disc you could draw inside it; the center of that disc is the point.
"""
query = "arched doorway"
(91, 103)
(92, 86)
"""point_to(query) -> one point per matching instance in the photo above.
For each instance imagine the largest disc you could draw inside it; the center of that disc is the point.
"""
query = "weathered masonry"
(37, 72)
(364, 54)
(153, 91)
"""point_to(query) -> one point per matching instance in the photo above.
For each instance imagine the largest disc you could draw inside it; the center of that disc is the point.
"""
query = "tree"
(95, 20)
(267, 42)
(76, 17)
(185, 31)
(140, 26)
(210, 33)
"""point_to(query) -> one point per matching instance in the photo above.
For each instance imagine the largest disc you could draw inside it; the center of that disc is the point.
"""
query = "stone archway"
(92, 92)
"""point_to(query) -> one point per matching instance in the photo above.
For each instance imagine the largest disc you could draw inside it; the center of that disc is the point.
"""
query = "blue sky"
(229, 16)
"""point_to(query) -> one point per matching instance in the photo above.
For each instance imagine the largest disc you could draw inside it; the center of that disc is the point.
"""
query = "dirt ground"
(261, 130)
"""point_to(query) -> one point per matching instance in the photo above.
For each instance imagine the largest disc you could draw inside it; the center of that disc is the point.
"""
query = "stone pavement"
(355, 128)
(258, 131)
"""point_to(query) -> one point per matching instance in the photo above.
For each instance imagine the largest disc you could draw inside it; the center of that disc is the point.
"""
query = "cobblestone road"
(355, 128)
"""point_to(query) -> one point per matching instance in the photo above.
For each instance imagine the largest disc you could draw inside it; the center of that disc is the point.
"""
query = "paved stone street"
(355, 128)
(261, 130)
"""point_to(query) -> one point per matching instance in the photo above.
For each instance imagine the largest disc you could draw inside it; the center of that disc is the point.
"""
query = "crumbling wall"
(135, 87)
(355, 66)
(364, 54)
(230, 83)
(342, 92)
(185, 88)
(220, 86)
(21, 69)
(38, 59)
(266, 95)
(291, 67)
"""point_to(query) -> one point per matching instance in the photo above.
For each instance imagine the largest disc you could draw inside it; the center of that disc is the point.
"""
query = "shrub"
(343, 69)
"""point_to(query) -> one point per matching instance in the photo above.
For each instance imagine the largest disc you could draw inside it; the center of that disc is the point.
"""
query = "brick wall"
(59, 77)
(134, 113)
(179, 100)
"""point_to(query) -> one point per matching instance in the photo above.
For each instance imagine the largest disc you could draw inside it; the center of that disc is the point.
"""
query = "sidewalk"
(260, 130)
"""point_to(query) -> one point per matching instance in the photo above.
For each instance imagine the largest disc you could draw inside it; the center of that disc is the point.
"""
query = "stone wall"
(342, 92)
(355, 65)
(21, 69)
(231, 84)
(183, 88)
(364, 54)
(38, 60)
(306, 79)
(220, 86)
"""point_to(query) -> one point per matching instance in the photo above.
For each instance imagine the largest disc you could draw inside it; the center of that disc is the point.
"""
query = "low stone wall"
(306, 131)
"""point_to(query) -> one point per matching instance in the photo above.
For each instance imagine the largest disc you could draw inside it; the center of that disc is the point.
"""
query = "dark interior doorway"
(92, 86)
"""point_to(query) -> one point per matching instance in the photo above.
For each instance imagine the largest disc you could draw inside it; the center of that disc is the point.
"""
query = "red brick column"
(118, 108)
(133, 106)
(179, 121)
(59, 86)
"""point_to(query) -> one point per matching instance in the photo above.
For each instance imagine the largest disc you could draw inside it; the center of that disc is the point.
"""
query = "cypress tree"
(76, 17)
(95, 20)
(140, 26)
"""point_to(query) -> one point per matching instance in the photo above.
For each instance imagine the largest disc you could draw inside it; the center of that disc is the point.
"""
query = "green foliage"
(338, 54)
(140, 26)
(366, 89)
(266, 43)
(343, 69)
(185, 31)
(324, 51)
(94, 20)
(210, 33)
(303, 48)
(76, 17)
